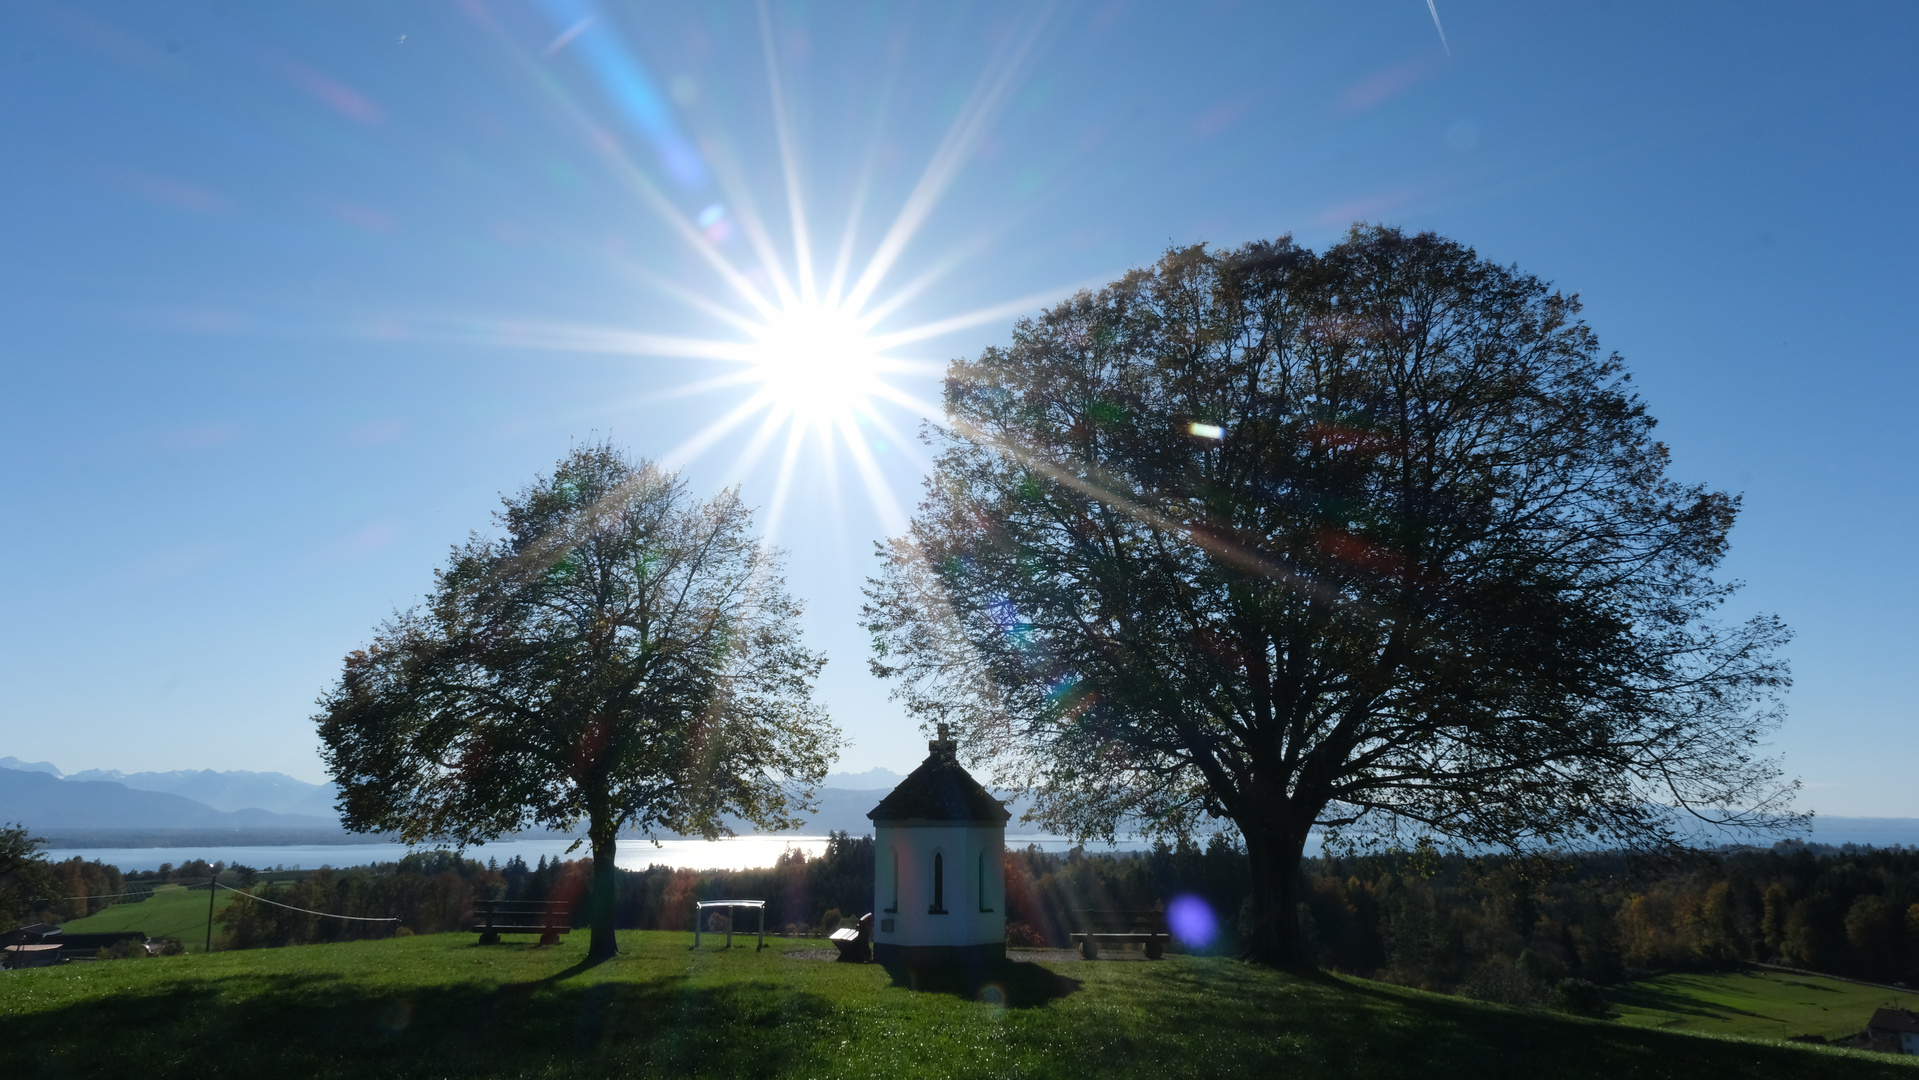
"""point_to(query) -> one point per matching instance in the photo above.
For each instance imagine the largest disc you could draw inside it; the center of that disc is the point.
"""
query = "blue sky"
(290, 294)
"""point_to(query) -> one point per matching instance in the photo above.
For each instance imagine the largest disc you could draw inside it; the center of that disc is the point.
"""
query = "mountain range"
(109, 808)
(67, 811)
(232, 792)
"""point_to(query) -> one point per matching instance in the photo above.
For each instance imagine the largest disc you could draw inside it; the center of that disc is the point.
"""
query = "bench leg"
(549, 938)
(1089, 949)
(488, 937)
(1154, 949)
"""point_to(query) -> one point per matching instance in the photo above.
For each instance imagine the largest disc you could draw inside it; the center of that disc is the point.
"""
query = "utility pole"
(212, 884)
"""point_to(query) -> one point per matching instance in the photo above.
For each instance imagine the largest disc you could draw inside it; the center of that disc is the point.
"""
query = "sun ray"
(878, 491)
(874, 315)
(749, 455)
(746, 212)
(985, 102)
(697, 443)
(884, 342)
(856, 205)
(830, 474)
(812, 352)
(692, 298)
(700, 386)
(564, 337)
(789, 161)
(623, 167)
(783, 483)
(911, 404)
(900, 441)
(856, 209)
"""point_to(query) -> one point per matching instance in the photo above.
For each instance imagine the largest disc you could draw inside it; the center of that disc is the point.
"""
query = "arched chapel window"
(895, 905)
(982, 882)
(939, 885)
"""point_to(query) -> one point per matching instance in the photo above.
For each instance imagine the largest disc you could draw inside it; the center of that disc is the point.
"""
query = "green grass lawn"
(1755, 1004)
(444, 1006)
(172, 911)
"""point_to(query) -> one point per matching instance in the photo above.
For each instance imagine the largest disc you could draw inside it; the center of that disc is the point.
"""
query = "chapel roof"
(940, 790)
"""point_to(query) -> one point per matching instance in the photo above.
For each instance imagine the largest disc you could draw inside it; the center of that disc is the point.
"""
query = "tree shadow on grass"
(1006, 983)
(1431, 1036)
(321, 1025)
(1674, 1001)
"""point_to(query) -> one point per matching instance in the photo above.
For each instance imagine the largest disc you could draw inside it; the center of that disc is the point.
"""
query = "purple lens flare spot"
(1192, 921)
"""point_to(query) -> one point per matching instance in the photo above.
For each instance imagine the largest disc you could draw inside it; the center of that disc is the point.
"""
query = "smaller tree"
(626, 655)
(27, 883)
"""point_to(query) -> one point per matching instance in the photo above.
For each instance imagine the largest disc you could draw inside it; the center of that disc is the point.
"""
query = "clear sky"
(290, 293)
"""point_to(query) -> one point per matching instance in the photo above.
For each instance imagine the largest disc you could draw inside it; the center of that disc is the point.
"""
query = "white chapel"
(939, 889)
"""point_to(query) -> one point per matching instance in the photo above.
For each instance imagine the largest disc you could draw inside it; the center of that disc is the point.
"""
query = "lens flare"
(1192, 921)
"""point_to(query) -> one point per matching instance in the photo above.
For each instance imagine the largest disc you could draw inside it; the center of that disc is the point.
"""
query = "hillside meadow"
(1754, 1003)
(442, 1005)
(172, 911)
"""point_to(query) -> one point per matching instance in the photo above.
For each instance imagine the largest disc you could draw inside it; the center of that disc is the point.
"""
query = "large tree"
(27, 883)
(1374, 539)
(625, 654)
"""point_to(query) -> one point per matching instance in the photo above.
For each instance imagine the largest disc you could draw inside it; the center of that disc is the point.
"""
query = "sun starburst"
(815, 363)
(804, 345)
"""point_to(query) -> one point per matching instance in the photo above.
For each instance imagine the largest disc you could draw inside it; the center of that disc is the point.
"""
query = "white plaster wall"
(961, 843)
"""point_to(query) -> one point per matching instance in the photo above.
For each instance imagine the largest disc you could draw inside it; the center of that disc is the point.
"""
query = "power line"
(309, 911)
(102, 896)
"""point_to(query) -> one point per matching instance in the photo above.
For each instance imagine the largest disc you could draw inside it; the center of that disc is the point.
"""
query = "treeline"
(75, 887)
(1500, 928)
(78, 888)
(1508, 929)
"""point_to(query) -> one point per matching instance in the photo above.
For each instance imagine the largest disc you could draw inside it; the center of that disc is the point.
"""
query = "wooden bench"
(547, 918)
(855, 944)
(1121, 927)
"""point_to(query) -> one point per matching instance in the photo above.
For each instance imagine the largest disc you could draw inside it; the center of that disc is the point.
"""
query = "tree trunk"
(603, 833)
(1274, 937)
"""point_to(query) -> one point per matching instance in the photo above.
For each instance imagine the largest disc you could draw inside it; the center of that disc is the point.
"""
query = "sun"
(801, 334)
(815, 362)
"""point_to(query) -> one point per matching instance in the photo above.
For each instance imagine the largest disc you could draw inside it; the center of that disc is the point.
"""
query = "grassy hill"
(1755, 1003)
(444, 1006)
(172, 911)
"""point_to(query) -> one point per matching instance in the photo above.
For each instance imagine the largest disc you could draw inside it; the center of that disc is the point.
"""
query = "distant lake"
(743, 852)
(636, 853)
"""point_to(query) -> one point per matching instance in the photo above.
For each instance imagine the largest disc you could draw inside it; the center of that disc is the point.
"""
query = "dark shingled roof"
(1894, 1020)
(939, 790)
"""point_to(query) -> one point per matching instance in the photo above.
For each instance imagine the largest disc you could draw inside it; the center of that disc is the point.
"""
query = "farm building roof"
(1894, 1020)
(29, 934)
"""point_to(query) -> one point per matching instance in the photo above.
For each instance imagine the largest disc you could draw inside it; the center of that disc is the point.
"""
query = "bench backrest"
(544, 912)
(1121, 922)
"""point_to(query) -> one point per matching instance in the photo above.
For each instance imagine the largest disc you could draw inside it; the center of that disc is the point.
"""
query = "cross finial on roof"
(945, 732)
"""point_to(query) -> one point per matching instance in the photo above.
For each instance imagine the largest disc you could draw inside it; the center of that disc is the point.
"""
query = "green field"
(443, 1006)
(1756, 1003)
(172, 911)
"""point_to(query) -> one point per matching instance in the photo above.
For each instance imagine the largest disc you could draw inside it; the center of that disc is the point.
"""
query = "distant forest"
(1499, 928)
